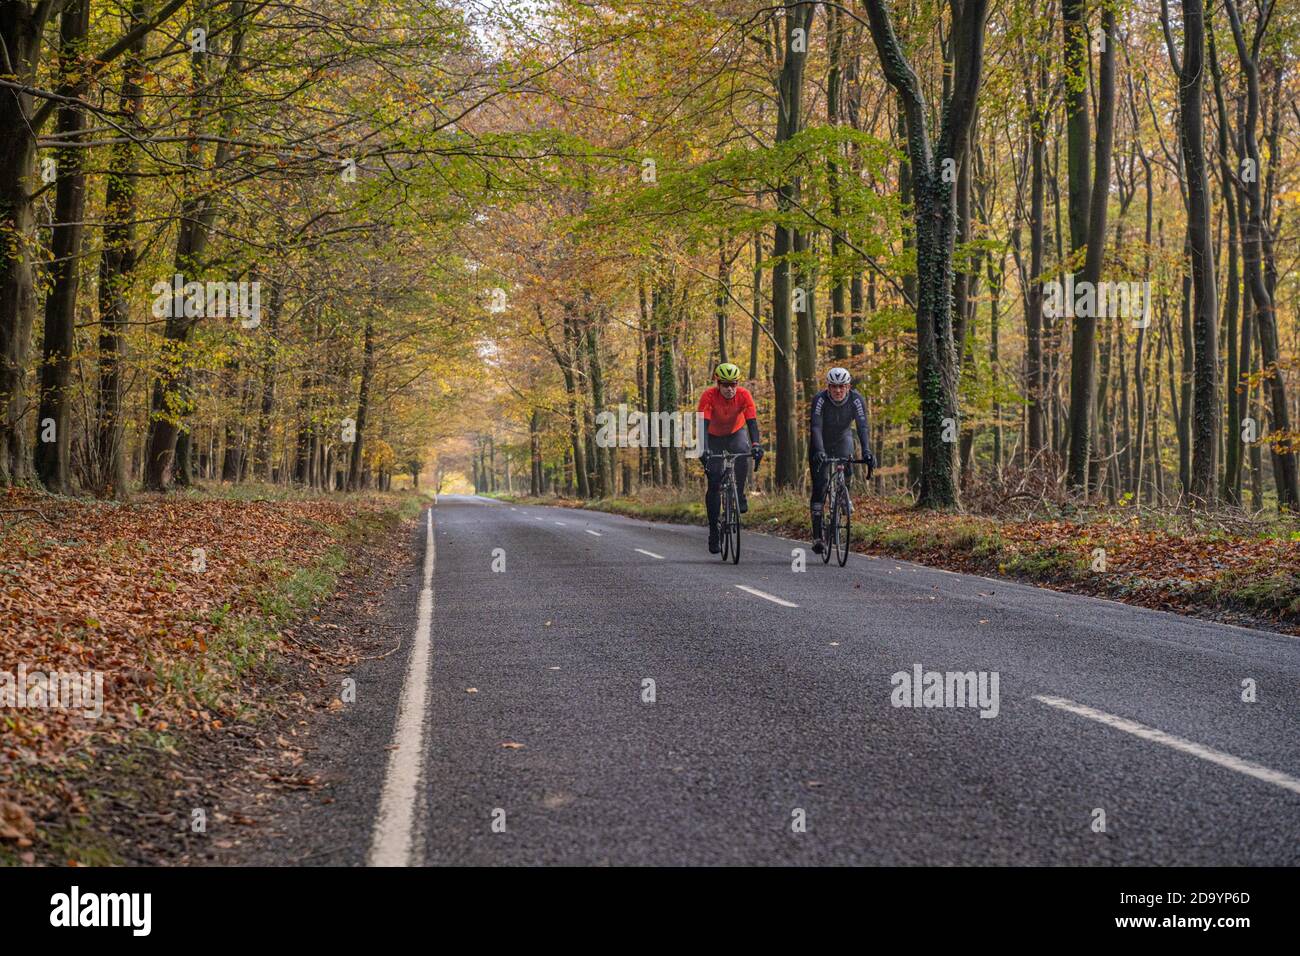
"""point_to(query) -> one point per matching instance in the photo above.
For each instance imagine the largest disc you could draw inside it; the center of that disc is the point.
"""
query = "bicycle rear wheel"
(735, 525)
(842, 517)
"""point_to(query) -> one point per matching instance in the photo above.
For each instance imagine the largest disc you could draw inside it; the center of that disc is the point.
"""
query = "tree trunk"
(1088, 207)
(937, 368)
(170, 399)
(596, 378)
(1205, 335)
(363, 405)
(52, 457)
(266, 406)
(117, 264)
(798, 26)
(21, 30)
(1034, 388)
(1256, 240)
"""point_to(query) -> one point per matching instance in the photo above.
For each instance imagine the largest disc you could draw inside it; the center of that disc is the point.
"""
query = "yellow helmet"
(726, 372)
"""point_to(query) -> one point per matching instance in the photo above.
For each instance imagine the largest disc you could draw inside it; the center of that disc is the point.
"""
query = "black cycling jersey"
(831, 422)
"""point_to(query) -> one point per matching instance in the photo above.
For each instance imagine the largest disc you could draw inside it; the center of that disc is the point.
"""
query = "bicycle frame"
(837, 490)
(729, 512)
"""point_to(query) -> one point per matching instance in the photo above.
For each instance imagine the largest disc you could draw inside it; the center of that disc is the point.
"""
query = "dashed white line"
(1276, 777)
(560, 523)
(765, 596)
(589, 531)
(393, 841)
(658, 557)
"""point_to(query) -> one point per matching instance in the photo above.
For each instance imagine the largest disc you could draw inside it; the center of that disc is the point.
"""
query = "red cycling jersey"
(727, 417)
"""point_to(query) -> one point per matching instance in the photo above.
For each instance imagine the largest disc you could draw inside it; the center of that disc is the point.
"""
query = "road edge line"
(392, 840)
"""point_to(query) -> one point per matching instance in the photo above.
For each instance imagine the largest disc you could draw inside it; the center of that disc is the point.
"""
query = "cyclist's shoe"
(818, 546)
(715, 546)
(744, 504)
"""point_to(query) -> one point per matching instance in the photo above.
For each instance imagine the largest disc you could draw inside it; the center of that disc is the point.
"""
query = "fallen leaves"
(15, 824)
(116, 589)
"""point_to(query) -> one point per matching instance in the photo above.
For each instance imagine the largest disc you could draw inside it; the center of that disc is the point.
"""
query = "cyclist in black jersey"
(835, 410)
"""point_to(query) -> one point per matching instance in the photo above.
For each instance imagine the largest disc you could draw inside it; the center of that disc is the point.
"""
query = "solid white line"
(1285, 781)
(651, 553)
(765, 596)
(589, 531)
(393, 841)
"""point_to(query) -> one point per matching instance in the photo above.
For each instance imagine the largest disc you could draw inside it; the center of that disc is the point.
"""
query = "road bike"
(837, 509)
(729, 514)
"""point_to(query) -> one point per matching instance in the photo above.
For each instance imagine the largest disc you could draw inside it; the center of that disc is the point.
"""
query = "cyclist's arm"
(817, 425)
(705, 408)
(860, 417)
(751, 419)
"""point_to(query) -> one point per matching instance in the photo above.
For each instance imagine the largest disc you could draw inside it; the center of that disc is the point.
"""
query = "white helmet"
(838, 376)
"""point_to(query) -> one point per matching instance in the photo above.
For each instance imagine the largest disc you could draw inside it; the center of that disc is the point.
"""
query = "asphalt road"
(525, 735)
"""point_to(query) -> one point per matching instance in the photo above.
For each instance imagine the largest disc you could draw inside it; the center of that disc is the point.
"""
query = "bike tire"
(735, 527)
(724, 524)
(842, 526)
(828, 518)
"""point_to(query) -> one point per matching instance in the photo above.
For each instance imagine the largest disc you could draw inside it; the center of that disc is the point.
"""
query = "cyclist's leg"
(713, 494)
(845, 450)
(738, 443)
(819, 476)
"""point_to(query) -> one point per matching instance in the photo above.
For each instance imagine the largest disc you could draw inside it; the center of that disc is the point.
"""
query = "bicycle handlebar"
(729, 454)
(826, 460)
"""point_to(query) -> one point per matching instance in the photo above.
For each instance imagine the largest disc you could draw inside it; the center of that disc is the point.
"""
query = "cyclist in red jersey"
(731, 424)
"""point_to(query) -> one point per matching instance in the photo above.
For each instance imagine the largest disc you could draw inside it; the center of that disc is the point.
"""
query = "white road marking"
(1285, 781)
(765, 596)
(393, 841)
(589, 531)
(559, 522)
(650, 553)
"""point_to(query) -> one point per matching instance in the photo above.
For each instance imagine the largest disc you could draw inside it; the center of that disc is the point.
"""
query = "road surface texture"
(518, 725)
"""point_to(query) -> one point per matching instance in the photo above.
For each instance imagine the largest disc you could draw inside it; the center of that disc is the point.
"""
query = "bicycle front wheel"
(735, 525)
(828, 525)
(724, 523)
(842, 526)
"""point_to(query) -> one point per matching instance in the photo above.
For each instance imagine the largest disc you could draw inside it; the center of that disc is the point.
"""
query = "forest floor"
(199, 612)
(1222, 566)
